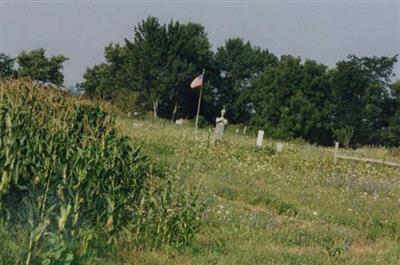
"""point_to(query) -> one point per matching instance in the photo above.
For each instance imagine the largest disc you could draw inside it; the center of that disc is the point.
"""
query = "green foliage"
(166, 215)
(240, 64)
(127, 101)
(146, 56)
(306, 100)
(6, 65)
(345, 135)
(97, 84)
(187, 53)
(69, 178)
(393, 132)
(37, 66)
(362, 98)
(293, 100)
(157, 65)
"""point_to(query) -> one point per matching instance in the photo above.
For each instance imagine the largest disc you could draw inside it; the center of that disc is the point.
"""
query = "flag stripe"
(197, 82)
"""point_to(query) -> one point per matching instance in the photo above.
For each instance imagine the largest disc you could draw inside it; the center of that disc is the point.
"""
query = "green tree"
(6, 65)
(240, 63)
(116, 59)
(361, 91)
(146, 64)
(97, 82)
(293, 100)
(37, 66)
(107, 79)
(393, 133)
(157, 65)
(188, 52)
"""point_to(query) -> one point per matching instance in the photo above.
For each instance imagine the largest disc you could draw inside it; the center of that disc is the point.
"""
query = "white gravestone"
(279, 147)
(220, 126)
(260, 137)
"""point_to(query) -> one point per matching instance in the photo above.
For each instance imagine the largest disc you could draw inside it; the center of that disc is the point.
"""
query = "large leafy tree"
(37, 66)
(107, 79)
(97, 82)
(361, 90)
(293, 100)
(158, 65)
(188, 52)
(145, 65)
(6, 65)
(162, 59)
(240, 63)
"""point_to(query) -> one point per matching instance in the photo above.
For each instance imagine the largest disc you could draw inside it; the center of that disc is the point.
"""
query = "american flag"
(197, 82)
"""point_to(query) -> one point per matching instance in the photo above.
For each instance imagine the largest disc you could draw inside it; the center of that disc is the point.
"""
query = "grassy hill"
(73, 179)
(294, 207)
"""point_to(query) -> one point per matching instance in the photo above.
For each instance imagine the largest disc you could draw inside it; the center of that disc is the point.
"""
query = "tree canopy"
(6, 65)
(157, 64)
(240, 63)
(37, 66)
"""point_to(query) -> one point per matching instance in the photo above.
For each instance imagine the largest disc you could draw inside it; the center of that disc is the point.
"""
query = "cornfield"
(70, 181)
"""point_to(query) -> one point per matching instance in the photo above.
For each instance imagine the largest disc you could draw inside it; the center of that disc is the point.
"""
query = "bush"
(127, 101)
(345, 135)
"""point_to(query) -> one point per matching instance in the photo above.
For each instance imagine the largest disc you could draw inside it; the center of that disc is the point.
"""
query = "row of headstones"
(221, 122)
(260, 139)
(219, 132)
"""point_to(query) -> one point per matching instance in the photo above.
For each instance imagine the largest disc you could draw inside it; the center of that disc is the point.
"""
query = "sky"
(326, 31)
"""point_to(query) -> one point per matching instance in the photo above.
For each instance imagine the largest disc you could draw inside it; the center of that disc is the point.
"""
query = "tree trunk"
(155, 108)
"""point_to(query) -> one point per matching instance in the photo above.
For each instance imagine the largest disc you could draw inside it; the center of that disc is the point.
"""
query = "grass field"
(294, 207)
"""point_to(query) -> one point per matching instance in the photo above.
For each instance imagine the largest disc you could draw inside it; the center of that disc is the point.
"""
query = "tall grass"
(70, 184)
(265, 207)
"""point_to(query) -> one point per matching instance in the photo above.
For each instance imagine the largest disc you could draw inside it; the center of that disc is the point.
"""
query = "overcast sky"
(326, 31)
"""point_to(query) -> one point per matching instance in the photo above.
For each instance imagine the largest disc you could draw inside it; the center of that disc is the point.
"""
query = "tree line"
(35, 65)
(356, 102)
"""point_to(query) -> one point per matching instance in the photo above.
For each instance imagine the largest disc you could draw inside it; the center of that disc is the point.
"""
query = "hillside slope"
(295, 207)
(74, 190)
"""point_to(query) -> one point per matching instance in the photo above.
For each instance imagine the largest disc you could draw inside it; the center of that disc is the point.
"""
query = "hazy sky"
(326, 31)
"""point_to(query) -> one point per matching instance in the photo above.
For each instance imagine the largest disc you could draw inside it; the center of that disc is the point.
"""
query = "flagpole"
(198, 105)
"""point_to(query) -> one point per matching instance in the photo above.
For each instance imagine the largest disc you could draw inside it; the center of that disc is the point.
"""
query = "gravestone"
(260, 137)
(279, 147)
(220, 123)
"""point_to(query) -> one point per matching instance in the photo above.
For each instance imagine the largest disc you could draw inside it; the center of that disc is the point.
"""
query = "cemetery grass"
(294, 207)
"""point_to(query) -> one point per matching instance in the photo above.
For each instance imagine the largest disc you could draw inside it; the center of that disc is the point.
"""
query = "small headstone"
(220, 126)
(237, 131)
(279, 147)
(244, 130)
(260, 137)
